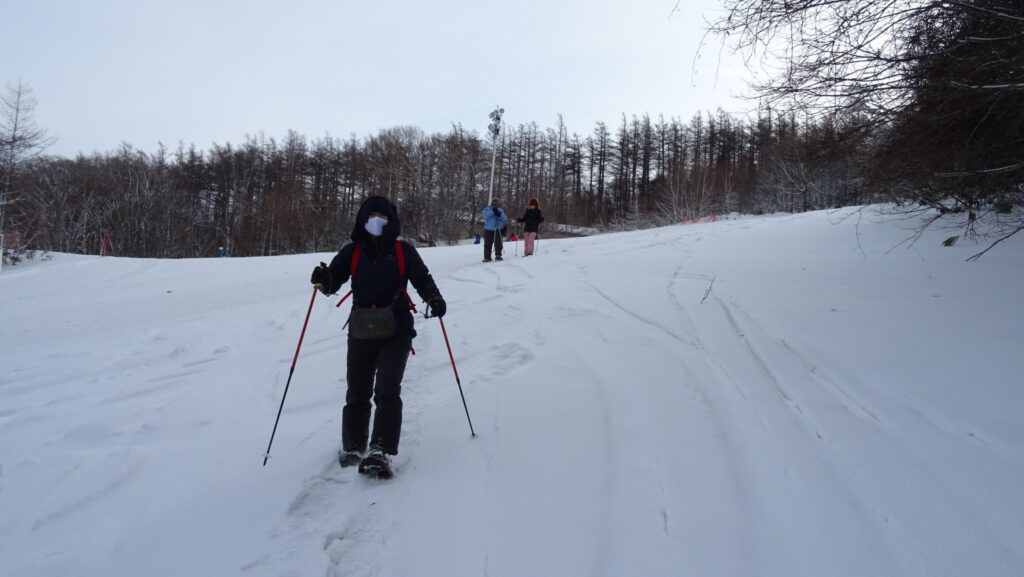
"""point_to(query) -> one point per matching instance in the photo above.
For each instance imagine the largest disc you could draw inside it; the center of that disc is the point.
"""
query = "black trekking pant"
(492, 237)
(375, 369)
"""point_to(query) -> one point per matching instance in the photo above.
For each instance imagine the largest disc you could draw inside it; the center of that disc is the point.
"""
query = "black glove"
(321, 276)
(437, 307)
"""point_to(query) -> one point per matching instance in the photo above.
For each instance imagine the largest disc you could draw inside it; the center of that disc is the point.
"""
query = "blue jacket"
(494, 218)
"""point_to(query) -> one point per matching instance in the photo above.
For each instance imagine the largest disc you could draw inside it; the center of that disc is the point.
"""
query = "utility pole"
(495, 129)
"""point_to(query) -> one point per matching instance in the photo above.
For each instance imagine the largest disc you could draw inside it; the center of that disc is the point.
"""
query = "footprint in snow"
(509, 357)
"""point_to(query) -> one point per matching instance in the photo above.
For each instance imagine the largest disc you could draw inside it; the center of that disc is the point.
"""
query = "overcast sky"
(205, 71)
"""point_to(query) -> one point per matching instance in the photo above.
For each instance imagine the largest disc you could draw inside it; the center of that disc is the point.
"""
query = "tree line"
(266, 196)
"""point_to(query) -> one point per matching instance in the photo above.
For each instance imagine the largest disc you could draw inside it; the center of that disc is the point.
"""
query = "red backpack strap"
(351, 271)
(355, 260)
(400, 254)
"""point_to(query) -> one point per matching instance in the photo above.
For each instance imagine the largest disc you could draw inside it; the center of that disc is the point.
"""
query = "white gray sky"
(205, 71)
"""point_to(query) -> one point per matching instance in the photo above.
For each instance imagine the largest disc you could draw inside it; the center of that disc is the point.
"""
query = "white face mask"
(375, 225)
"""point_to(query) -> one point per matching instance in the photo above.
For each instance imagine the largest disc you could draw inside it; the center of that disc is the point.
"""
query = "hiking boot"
(349, 458)
(376, 464)
(499, 258)
(487, 259)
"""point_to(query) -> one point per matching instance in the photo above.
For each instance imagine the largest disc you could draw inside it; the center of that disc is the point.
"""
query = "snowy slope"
(836, 404)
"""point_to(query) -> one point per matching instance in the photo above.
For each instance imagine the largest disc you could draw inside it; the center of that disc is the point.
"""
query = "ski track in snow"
(81, 496)
(686, 346)
(800, 386)
(746, 341)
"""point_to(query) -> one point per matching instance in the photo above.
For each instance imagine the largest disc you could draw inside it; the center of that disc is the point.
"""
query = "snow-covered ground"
(831, 406)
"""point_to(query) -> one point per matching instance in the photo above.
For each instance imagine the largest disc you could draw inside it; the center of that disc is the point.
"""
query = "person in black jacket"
(380, 330)
(531, 219)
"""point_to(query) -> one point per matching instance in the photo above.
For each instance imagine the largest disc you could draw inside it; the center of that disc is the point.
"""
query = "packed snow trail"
(784, 395)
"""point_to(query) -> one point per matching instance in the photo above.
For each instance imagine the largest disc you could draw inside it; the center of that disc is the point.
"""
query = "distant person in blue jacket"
(494, 221)
(222, 252)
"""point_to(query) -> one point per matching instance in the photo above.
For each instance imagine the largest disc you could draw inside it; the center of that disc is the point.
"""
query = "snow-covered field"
(832, 406)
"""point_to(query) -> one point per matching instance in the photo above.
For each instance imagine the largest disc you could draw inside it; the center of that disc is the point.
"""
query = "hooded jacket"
(377, 281)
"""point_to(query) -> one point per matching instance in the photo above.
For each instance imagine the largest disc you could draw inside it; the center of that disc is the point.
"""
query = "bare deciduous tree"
(20, 140)
(938, 87)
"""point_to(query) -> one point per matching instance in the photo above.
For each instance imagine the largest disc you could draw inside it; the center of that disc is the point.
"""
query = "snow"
(840, 402)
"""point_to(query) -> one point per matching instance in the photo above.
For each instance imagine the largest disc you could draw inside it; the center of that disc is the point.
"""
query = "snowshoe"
(349, 458)
(376, 465)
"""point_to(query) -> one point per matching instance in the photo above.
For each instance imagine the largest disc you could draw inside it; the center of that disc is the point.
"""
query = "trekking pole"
(290, 373)
(456, 371)
(519, 234)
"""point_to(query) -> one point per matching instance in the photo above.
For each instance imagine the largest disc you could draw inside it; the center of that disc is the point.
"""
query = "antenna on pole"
(494, 128)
